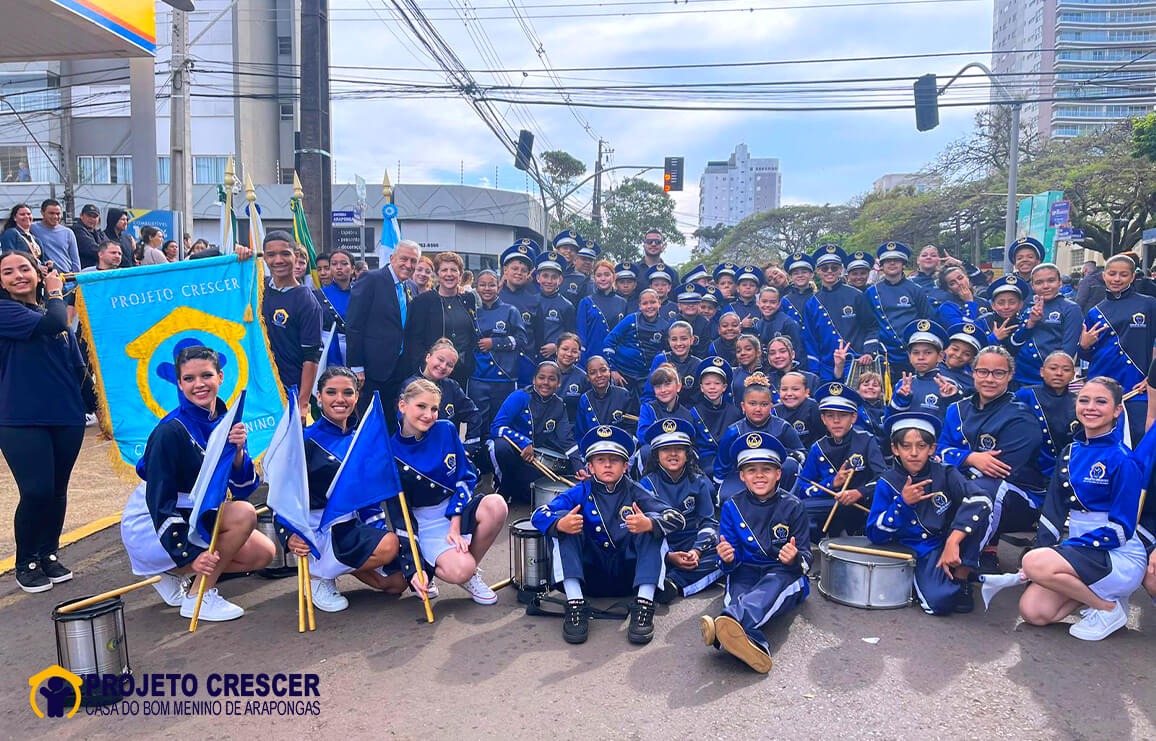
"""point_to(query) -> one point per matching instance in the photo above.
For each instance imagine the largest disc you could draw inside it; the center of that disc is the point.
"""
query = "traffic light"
(926, 103)
(672, 174)
(525, 151)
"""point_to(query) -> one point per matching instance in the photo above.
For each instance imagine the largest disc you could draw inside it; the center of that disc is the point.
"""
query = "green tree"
(628, 211)
(1144, 137)
(560, 169)
(772, 235)
(708, 237)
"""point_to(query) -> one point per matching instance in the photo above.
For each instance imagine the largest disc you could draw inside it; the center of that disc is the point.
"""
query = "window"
(20, 164)
(209, 170)
(286, 175)
(286, 111)
(103, 170)
(285, 45)
(164, 165)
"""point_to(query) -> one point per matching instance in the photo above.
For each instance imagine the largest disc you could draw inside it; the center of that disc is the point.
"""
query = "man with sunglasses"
(837, 315)
(653, 245)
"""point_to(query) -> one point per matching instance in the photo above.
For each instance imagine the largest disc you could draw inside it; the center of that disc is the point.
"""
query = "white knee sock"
(646, 591)
(573, 588)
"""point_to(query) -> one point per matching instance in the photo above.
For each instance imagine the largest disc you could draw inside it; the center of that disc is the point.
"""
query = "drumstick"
(308, 593)
(81, 604)
(869, 551)
(630, 417)
(501, 585)
(842, 491)
(261, 510)
(832, 492)
(1134, 393)
(212, 549)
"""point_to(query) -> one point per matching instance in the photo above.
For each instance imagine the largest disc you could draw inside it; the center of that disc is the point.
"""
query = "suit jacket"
(373, 326)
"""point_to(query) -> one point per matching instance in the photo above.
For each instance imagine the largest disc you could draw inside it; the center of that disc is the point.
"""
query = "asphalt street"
(495, 672)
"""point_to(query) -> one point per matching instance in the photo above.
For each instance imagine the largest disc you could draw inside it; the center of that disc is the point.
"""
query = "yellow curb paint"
(72, 536)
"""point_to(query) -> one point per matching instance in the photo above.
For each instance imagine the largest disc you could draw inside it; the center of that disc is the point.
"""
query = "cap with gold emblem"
(925, 331)
(758, 447)
(669, 431)
(607, 439)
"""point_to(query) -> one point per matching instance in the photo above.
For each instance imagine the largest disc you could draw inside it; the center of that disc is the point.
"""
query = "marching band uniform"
(555, 313)
(759, 586)
(293, 320)
(525, 418)
(597, 314)
(748, 308)
(713, 418)
(626, 270)
(575, 283)
(721, 347)
(742, 373)
(633, 344)
(1014, 284)
(652, 411)
(956, 504)
(1097, 489)
(573, 385)
(155, 526)
(1124, 350)
(725, 268)
(687, 369)
(693, 498)
(1059, 329)
(969, 333)
(775, 376)
(595, 410)
(897, 305)
(952, 310)
(668, 311)
(1002, 424)
(496, 372)
(804, 419)
(526, 301)
(925, 393)
(824, 459)
(725, 470)
(795, 298)
(1056, 415)
(438, 482)
(457, 408)
(780, 324)
(605, 558)
(841, 313)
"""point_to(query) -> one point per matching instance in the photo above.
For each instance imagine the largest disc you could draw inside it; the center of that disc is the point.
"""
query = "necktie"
(401, 301)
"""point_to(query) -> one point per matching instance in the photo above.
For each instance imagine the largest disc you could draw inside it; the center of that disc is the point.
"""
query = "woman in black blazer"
(447, 311)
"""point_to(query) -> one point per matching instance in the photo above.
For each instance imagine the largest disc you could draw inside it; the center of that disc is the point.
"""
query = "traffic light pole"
(1013, 146)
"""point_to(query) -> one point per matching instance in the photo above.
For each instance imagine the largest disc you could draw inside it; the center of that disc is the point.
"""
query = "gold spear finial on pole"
(298, 192)
(386, 188)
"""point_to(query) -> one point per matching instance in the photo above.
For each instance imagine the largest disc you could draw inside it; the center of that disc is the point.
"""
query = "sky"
(825, 157)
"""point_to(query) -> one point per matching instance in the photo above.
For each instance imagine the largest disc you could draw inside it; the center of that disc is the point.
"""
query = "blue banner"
(137, 319)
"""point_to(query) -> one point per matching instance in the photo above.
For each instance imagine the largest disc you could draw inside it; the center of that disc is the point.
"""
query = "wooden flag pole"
(308, 593)
(212, 549)
(300, 597)
(429, 618)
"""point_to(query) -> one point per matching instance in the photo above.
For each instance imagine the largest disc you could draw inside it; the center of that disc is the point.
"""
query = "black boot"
(576, 622)
(641, 621)
(963, 601)
(667, 592)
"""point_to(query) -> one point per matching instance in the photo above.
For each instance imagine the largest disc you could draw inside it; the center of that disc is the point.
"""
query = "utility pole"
(596, 206)
(313, 155)
(180, 158)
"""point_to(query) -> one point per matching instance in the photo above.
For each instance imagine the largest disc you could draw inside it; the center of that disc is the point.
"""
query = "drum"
(544, 490)
(863, 580)
(92, 640)
(553, 460)
(529, 558)
(284, 563)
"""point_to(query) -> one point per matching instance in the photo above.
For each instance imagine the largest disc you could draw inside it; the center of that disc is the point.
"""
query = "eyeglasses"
(830, 266)
(652, 241)
(998, 374)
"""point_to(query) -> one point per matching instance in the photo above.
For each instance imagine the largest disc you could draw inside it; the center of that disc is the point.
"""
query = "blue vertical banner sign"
(1035, 219)
(136, 320)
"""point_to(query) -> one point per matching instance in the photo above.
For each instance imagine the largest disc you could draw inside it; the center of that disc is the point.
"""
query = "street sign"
(1071, 235)
(353, 238)
(344, 217)
(1060, 213)
(1076, 235)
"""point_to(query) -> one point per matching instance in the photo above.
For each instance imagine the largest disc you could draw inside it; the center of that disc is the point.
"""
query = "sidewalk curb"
(72, 536)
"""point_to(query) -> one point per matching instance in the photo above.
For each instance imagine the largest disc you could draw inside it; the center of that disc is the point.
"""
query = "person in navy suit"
(375, 325)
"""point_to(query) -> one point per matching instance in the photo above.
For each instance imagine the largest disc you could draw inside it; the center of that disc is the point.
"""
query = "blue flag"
(287, 474)
(213, 479)
(368, 475)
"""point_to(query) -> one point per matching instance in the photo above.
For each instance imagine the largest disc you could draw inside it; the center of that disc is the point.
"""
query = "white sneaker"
(479, 590)
(1099, 624)
(326, 597)
(89, 420)
(172, 589)
(432, 591)
(214, 607)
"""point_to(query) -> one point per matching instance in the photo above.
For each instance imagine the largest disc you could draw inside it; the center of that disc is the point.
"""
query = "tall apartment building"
(1071, 50)
(731, 190)
(74, 125)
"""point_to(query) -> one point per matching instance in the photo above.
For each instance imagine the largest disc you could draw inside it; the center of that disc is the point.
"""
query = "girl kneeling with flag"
(357, 542)
(159, 528)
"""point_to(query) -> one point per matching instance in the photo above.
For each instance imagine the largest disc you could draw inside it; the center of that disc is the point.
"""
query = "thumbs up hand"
(788, 552)
(637, 522)
(571, 522)
(725, 551)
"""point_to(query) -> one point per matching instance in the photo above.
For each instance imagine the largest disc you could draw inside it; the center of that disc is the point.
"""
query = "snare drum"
(864, 580)
(284, 563)
(553, 460)
(529, 558)
(544, 490)
(92, 640)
